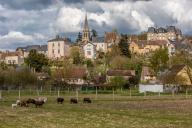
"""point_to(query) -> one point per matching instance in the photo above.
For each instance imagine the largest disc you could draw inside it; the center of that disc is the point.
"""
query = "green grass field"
(124, 112)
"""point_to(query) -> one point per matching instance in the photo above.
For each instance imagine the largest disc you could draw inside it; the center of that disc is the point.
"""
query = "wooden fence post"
(113, 95)
(19, 94)
(37, 92)
(77, 94)
(96, 93)
(0, 94)
(186, 93)
(58, 93)
(145, 94)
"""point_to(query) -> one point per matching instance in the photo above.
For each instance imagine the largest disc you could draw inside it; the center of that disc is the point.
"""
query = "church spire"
(86, 33)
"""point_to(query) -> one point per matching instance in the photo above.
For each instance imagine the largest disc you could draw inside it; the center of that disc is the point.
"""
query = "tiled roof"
(5, 54)
(77, 72)
(98, 39)
(59, 38)
(110, 36)
(176, 68)
(35, 47)
(118, 72)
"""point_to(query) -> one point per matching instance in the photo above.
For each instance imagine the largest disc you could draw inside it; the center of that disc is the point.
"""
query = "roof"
(6, 54)
(59, 38)
(77, 72)
(110, 36)
(117, 72)
(86, 26)
(88, 42)
(151, 30)
(164, 30)
(98, 39)
(33, 47)
(173, 77)
(176, 69)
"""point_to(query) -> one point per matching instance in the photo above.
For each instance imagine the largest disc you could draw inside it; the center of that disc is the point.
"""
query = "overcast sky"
(26, 22)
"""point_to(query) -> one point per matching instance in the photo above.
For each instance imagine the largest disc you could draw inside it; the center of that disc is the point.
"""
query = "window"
(53, 51)
(53, 44)
(58, 44)
(89, 53)
(14, 61)
(9, 61)
(58, 50)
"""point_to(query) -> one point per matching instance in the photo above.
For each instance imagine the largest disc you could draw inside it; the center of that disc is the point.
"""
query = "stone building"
(12, 58)
(39, 48)
(58, 47)
(170, 32)
(142, 47)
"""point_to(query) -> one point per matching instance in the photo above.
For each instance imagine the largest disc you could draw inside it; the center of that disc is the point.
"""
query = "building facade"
(143, 47)
(39, 48)
(58, 47)
(101, 46)
(89, 51)
(170, 33)
(12, 58)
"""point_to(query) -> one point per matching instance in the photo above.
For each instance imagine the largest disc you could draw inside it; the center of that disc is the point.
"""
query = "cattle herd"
(38, 102)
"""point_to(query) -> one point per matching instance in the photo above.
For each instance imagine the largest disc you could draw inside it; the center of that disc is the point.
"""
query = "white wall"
(89, 48)
(150, 88)
(59, 49)
(18, 60)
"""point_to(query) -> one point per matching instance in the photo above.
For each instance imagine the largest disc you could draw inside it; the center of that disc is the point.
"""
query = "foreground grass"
(126, 113)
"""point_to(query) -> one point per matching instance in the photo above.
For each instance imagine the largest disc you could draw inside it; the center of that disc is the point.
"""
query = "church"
(87, 46)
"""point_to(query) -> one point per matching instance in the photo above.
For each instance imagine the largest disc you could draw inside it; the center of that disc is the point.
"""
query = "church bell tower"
(86, 33)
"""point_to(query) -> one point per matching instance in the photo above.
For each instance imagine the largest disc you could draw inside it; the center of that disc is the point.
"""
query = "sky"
(28, 22)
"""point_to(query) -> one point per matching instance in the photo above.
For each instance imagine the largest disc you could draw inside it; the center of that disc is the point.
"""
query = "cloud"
(13, 38)
(69, 19)
(42, 20)
(27, 4)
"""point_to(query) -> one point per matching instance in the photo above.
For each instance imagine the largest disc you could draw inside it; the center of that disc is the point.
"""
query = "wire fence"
(97, 94)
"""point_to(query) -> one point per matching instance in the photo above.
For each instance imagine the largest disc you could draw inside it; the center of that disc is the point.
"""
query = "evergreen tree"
(124, 46)
(94, 34)
(79, 37)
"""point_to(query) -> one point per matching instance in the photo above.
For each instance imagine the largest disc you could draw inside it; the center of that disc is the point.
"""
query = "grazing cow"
(86, 100)
(39, 103)
(30, 100)
(42, 99)
(18, 102)
(73, 101)
(60, 100)
(14, 106)
(23, 103)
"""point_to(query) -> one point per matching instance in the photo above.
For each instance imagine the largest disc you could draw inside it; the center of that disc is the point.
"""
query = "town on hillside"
(159, 56)
(95, 63)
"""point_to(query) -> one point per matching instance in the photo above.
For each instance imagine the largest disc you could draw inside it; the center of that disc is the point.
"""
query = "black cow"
(39, 103)
(86, 100)
(30, 100)
(60, 100)
(73, 101)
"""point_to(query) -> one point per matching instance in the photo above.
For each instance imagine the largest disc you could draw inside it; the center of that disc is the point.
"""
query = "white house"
(15, 60)
(58, 47)
(12, 58)
(89, 50)
(100, 44)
